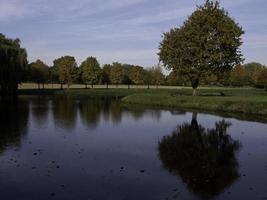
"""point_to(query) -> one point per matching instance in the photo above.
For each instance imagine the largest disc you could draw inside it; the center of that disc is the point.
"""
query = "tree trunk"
(92, 85)
(194, 92)
(68, 86)
(107, 86)
(195, 83)
(39, 86)
(128, 86)
(85, 86)
(43, 86)
(61, 86)
(148, 86)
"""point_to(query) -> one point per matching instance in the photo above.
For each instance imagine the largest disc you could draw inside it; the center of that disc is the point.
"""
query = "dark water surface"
(88, 149)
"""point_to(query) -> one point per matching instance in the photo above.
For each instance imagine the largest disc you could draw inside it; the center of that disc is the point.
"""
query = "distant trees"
(106, 74)
(157, 75)
(13, 65)
(136, 75)
(67, 70)
(207, 42)
(39, 72)
(91, 71)
(116, 73)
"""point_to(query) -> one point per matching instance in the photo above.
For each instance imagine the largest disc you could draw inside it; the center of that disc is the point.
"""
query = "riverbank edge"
(238, 105)
(240, 101)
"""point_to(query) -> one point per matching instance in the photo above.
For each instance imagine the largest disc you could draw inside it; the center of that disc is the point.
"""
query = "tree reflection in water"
(14, 118)
(204, 158)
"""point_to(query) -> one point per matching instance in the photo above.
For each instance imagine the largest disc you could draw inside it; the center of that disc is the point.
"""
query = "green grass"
(247, 101)
(235, 100)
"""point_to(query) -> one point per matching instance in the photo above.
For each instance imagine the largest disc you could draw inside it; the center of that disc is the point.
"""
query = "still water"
(97, 149)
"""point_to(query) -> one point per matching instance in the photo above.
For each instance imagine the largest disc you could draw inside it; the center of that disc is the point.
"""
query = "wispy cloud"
(116, 30)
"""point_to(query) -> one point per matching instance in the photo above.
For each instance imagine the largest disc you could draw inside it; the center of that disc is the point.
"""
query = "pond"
(97, 149)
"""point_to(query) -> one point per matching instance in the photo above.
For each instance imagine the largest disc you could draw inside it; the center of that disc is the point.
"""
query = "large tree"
(66, 68)
(207, 42)
(116, 73)
(13, 65)
(91, 71)
(39, 72)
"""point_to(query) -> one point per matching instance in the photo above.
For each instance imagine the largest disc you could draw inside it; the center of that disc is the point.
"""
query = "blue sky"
(127, 31)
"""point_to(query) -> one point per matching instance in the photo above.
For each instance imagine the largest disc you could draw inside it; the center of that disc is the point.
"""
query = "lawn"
(235, 100)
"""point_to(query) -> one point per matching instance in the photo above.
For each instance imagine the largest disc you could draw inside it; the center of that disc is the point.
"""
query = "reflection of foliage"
(13, 117)
(65, 111)
(115, 111)
(203, 158)
(90, 111)
(39, 108)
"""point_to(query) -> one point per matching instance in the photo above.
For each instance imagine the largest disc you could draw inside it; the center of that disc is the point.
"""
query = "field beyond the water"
(218, 99)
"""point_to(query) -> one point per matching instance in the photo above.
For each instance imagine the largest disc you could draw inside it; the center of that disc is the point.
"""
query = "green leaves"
(91, 71)
(67, 69)
(207, 42)
(13, 65)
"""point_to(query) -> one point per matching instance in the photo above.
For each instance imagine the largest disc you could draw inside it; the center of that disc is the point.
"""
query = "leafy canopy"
(207, 42)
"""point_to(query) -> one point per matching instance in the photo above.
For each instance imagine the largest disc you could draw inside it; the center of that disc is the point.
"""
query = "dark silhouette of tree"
(204, 158)
(105, 74)
(39, 72)
(13, 65)
(14, 116)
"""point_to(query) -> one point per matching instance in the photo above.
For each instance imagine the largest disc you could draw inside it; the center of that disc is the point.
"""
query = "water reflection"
(204, 158)
(13, 118)
(65, 111)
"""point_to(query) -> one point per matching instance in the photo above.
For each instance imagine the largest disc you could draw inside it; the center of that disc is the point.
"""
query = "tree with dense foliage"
(126, 75)
(66, 68)
(91, 71)
(157, 75)
(239, 76)
(208, 41)
(13, 65)
(39, 72)
(136, 75)
(251, 70)
(116, 73)
(261, 78)
(105, 74)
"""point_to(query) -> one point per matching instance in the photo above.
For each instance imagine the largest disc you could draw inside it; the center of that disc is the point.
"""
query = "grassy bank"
(246, 100)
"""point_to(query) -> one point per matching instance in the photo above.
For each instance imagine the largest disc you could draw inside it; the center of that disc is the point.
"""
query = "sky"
(127, 31)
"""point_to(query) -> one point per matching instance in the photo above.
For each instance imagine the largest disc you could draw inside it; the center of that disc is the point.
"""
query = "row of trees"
(251, 74)
(66, 71)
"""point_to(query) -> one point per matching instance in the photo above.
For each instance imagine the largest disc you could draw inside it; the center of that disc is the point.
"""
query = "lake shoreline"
(247, 101)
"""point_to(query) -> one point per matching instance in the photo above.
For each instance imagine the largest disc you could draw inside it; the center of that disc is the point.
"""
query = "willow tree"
(13, 65)
(91, 71)
(208, 42)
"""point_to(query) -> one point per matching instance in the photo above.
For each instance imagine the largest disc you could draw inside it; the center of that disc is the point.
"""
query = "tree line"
(204, 50)
(66, 71)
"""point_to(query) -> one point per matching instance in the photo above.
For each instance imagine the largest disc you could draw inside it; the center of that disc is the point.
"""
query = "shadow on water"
(14, 118)
(205, 159)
